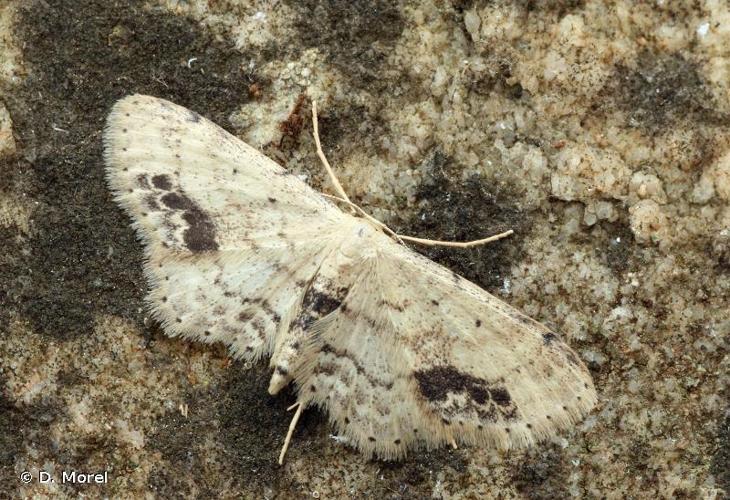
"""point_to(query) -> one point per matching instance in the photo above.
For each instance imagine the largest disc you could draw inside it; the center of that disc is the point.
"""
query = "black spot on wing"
(162, 181)
(501, 396)
(435, 384)
(143, 181)
(319, 302)
(484, 399)
(282, 370)
(151, 201)
(200, 234)
(549, 337)
(323, 303)
(177, 201)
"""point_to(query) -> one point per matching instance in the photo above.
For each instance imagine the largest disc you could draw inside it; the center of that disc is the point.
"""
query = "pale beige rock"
(11, 69)
(600, 210)
(646, 186)
(647, 317)
(7, 142)
(704, 190)
(472, 22)
(720, 175)
(648, 222)
(584, 173)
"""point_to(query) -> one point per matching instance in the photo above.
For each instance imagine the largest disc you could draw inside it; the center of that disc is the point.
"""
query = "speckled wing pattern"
(401, 352)
(231, 238)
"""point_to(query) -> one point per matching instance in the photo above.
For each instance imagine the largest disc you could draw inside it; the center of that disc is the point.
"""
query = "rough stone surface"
(599, 131)
(7, 141)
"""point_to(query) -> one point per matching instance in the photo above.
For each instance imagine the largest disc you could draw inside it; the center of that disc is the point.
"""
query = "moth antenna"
(320, 153)
(457, 244)
(400, 237)
(292, 425)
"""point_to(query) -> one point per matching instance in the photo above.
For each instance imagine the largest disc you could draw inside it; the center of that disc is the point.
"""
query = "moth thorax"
(361, 237)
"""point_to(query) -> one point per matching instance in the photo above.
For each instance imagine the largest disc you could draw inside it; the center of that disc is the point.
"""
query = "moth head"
(361, 239)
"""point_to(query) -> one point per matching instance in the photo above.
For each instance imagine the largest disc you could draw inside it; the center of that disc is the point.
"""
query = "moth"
(400, 352)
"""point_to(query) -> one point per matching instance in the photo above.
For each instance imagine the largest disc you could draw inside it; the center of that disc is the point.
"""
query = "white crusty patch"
(401, 352)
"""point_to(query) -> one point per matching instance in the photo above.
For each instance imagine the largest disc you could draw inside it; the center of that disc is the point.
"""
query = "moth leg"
(292, 425)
